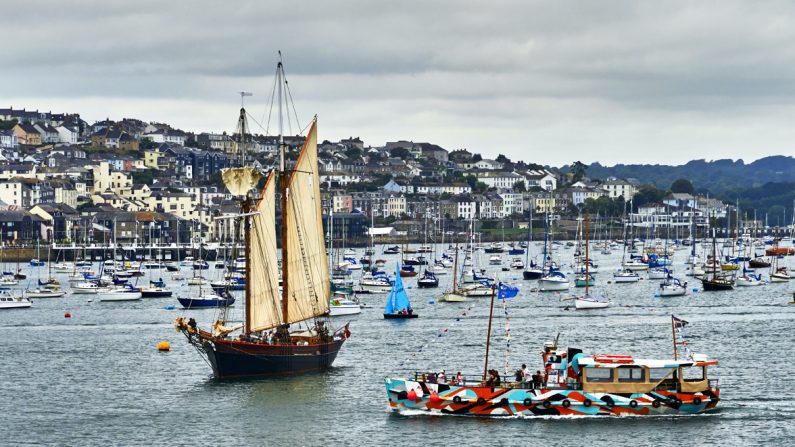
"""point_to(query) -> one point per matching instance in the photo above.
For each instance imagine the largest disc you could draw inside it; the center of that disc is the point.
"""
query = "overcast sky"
(544, 81)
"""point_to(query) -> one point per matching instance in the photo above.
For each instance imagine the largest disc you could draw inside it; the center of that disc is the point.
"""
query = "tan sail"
(263, 281)
(308, 284)
(239, 181)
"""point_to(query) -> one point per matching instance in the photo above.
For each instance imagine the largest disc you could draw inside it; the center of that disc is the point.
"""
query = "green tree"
(147, 143)
(578, 170)
(480, 187)
(354, 153)
(400, 152)
(146, 176)
(476, 158)
(502, 159)
(682, 185)
(646, 194)
(519, 186)
(8, 125)
(381, 179)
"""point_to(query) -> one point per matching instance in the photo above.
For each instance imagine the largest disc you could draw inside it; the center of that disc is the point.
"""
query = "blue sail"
(390, 306)
(398, 300)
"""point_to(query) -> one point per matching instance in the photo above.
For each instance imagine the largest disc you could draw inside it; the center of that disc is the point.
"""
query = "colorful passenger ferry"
(571, 384)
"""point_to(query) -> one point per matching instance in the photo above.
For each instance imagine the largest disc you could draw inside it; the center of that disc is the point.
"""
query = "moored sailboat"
(589, 300)
(714, 281)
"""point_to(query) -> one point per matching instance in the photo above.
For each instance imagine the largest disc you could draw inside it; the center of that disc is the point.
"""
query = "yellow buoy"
(164, 346)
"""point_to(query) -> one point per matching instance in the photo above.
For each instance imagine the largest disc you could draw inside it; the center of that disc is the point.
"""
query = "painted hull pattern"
(492, 402)
(234, 359)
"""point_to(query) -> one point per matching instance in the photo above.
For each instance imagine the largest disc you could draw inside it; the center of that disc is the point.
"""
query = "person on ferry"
(538, 380)
(442, 377)
(491, 380)
(459, 379)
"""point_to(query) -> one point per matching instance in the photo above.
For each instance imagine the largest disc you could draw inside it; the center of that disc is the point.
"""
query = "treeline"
(718, 177)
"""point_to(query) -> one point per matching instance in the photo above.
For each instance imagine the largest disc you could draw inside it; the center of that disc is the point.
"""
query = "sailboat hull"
(532, 274)
(399, 316)
(234, 359)
(716, 285)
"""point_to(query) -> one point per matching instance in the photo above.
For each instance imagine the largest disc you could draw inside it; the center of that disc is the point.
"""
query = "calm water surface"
(97, 378)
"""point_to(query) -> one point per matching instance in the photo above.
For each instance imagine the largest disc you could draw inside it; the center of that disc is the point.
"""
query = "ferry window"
(599, 374)
(693, 373)
(633, 374)
(657, 374)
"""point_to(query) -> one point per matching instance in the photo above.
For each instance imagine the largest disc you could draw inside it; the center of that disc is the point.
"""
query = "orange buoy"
(412, 395)
(434, 398)
(164, 346)
(67, 315)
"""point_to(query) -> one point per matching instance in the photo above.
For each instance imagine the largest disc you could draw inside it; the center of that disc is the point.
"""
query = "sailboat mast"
(488, 331)
(284, 192)
(247, 249)
(587, 276)
(455, 269)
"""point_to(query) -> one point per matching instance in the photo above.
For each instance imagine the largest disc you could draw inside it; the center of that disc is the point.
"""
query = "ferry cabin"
(622, 374)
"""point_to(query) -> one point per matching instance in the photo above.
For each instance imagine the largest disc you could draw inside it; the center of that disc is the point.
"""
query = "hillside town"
(63, 179)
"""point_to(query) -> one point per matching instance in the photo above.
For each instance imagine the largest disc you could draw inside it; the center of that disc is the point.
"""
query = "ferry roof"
(616, 361)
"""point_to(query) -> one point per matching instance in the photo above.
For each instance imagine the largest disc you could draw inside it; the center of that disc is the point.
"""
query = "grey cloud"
(556, 80)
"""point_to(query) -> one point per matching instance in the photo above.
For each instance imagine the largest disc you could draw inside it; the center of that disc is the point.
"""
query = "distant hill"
(719, 177)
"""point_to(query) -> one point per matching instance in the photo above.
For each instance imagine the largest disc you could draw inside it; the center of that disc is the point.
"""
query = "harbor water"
(97, 377)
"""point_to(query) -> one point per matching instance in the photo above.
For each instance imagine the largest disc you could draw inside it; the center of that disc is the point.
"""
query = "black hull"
(754, 264)
(164, 294)
(172, 268)
(713, 286)
(532, 275)
(231, 360)
(427, 284)
(399, 316)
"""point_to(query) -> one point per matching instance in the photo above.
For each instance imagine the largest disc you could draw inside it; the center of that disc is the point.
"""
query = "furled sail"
(239, 181)
(263, 280)
(308, 282)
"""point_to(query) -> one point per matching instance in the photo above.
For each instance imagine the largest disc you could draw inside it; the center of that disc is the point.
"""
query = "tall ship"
(284, 332)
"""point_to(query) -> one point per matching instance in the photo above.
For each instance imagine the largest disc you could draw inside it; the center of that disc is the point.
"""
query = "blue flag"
(507, 291)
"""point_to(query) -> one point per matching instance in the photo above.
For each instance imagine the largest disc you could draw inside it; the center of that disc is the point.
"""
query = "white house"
(579, 195)
(542, 179)
(168, 136)
(8, 139)
(442, 189)
(390, 205)
(340, 178)
(498, 179)
(48, 133)
(619, 188)
(67, 135)
(512, 203)
(15, 193)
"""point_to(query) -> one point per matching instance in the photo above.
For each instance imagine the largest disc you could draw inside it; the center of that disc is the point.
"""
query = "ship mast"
(284, 191)
(246, 207)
